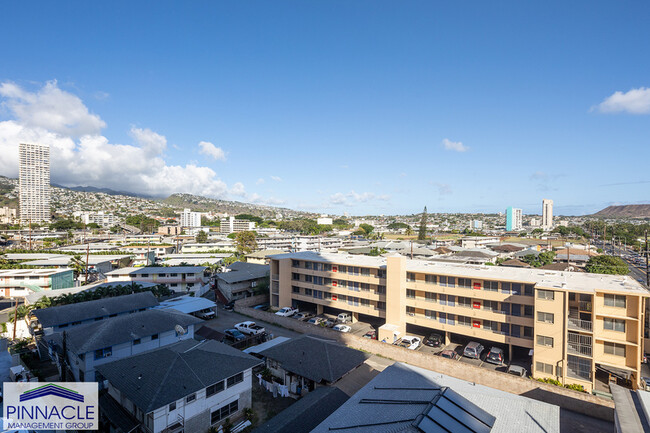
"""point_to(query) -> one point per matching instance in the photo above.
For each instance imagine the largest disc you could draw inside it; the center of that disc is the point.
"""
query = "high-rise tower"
(547, 214)
(34, 183)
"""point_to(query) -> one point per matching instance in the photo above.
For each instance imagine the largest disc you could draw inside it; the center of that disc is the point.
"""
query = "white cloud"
(276, 178)
(353, 198)
(80, 155)
(238, 189)
(260, 181)
(455, 146)
(50, 108)
(635, 101)
(210, 149)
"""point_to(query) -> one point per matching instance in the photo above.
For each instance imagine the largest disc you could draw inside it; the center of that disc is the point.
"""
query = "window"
(354, 286)
(224, 411)
(318, 281)
(410, 276)
(528, 311)
(353, 301)
(103, 353)
(343, 283)
(327, 266)
(451, 300)
(213, 389)
(443, 280)
(515, 330)
(429, 314)
(516, 288)
(295, 263)
(381, 290)
(505, 308)
(430, 297)
(505, 328)
(529, 289)
(318, 294)
(464, 302)
(465, 283)
(365, 302)
(516, 310)
(544, 341)
(410, 293)
(381, 305)
(136, 341)
(450, 319)
(309, 278)
(615, 349)
(491, 305)
(617, 301)
(295, 289)
(343, 269)
(442, 317)
(544, 368)
(190, 398)
(614, 324)
(233, 380)
(490, 325)
(381, 273)
(464, 321)
(172, 406)
(154, 337)
(451, 281)
(431, 279)
(442, 299)
(548, 295)
(365, 287)
(505, 287)
(528, 332)
(308, 265)
(492, 286)
(545, 317)
(308, 292)
(365, 272)
(410, 311)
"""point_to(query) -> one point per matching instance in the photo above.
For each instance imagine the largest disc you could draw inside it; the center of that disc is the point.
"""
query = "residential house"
(119, 337)
(183, 387)
(306, 362)
(241, 279)
(22, 282)
(178, 278)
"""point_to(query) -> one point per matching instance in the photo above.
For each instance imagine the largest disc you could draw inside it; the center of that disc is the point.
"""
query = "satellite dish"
(180, 330)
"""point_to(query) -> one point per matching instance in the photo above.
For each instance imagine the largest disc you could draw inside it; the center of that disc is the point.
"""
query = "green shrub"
(575, 387)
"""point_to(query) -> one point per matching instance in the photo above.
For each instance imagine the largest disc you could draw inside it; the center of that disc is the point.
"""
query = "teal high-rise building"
(513, 219)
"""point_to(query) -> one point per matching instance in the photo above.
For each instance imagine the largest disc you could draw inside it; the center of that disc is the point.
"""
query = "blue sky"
(368, 107)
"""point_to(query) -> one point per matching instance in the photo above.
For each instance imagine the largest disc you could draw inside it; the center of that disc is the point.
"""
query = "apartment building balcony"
(579, 368)
(576, 324)
(578, 344)
(275, 277)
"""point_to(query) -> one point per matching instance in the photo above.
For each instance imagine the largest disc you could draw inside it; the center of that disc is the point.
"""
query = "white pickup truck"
(286, 311)
(249, 328)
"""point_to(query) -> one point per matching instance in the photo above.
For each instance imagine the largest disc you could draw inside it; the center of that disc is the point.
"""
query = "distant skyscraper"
(513, 219)
(34, 183)
(547, 214)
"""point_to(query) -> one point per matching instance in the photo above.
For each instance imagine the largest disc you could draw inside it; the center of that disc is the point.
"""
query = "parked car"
(410, 342)
(646, 382)
(206, 314)
(495, 356)
(330, 322)
(234, 334)
(316, 320)
(371, 335)
(342, 328)
(302, 316)
(516, 370)
(433, 340)
(449, 354)
(286, 311)
(473, 350)
(344, 318)
(250, 328)
(263, 307)
(229, 306)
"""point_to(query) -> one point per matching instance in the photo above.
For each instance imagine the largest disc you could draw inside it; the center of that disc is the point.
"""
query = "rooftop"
(411, 399)
(187, 304)
(158, 270)
(31, 272)
(156, 378)
(81, 311)
(574, 281)
(242, 271)
(315, 358)
(121, 329)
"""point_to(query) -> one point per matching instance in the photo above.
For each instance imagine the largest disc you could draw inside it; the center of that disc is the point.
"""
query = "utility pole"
(15, 318)
(647, 270)
(87, 256)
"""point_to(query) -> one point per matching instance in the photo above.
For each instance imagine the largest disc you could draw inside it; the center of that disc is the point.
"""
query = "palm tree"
(77, 265)
(409, 231)
(43, 302)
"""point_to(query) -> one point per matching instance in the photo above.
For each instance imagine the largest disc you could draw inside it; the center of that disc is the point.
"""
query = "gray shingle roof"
(121, 329)
(315, 358)
(81, 311)
(156, 378)
(242, 271)
(306, 413)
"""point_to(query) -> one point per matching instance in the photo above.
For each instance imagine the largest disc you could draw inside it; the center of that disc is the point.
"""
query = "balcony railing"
(275, 277)
(580, 325)
(579, 344)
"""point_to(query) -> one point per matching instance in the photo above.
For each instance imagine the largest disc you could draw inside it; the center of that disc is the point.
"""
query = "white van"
(344, 318)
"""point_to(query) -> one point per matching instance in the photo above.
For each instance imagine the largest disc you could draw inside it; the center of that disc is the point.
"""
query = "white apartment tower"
(34, 183)
(190, 219)
(547, 214)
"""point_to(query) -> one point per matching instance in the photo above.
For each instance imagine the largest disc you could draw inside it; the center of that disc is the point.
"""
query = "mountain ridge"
(625, 211)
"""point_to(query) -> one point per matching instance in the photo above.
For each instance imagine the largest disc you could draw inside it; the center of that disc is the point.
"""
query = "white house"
(177, 278)
(188, 386)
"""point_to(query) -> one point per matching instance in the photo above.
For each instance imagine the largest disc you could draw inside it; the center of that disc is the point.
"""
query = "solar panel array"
(452, 413)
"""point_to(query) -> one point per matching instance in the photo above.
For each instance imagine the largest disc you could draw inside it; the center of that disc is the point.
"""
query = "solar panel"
(450, 412)
(463, 416)
(447, 422)
(476, 411)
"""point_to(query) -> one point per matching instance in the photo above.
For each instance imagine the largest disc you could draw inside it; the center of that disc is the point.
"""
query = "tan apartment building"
(574, 327)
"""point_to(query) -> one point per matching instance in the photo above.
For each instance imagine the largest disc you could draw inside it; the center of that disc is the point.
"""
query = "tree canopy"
(543, 259)
(422, 232)
(201, 237)
(607, 265)
(245, 242)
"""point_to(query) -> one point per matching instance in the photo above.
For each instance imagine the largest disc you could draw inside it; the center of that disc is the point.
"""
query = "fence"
(583, 403)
